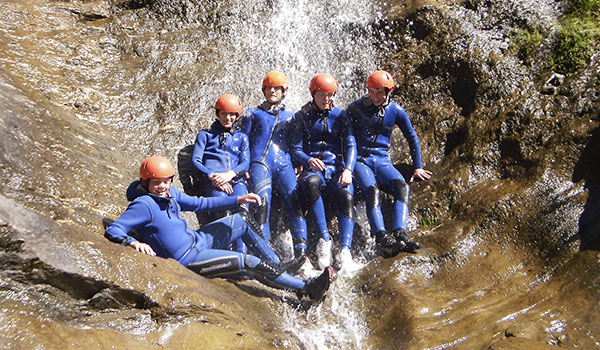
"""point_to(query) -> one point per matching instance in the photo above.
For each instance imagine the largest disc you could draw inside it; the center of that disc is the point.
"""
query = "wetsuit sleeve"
(295, 137)
(198, 153)
(137, 215)
(349, 142)
(244, 161)
(193, 203)
(411, 136)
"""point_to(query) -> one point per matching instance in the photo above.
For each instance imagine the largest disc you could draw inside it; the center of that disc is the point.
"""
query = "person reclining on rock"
(154, 213)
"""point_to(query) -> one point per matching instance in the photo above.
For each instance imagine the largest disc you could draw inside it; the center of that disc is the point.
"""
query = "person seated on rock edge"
(373, 118)
(154, 213)
(267, 127)
(221, 155)
(324, 146)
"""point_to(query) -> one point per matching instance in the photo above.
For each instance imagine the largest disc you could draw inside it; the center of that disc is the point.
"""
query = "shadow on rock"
(587, 169)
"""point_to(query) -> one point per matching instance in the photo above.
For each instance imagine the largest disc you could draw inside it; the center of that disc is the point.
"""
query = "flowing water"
(302, 38)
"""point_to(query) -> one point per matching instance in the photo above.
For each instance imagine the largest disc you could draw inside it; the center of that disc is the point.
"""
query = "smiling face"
(323, 100)
(159, 186)
(378, 96)
(274, 94)
(227, 119)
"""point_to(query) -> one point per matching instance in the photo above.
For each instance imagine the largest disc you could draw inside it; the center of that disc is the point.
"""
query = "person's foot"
(401, 236)
(347, 266)
(292, 266)
(323, 253)
(316, 288)
(387, 246)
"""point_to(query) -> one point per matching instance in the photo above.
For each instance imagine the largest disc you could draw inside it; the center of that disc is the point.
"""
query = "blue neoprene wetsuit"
(372, 127)
(326, 135)
(158, 223)
(217, 151)
(268, 129)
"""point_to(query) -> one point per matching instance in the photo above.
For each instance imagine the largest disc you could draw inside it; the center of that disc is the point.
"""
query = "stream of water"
(302, 38)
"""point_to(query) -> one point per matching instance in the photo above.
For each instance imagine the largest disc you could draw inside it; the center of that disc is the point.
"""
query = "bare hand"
(249, 198)
(218, 179)
(316, 164)
(142, 248)
(421, 174)
(227, 188)
(345, 178)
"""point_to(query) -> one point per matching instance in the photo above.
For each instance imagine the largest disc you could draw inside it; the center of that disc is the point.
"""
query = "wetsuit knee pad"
(373, 196)
(346, 204)
(260, 212)
(216, 267)
(401, 190)
(311, 187)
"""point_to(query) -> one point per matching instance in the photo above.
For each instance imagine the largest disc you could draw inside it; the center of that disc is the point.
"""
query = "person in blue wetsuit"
(325, 147)
(154, 213)
(222, 157)
(267, 127)
(373, 117)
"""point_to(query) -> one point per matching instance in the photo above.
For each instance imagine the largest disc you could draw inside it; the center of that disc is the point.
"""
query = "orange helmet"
(274, 79)
(380, 79)
(229, 103)
(156, 167)
(323, 82)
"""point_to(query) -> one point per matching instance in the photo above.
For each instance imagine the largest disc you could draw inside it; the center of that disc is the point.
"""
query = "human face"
(274, 94)
(378, 96)
(323, 100)
(159, 186)
(227, 119)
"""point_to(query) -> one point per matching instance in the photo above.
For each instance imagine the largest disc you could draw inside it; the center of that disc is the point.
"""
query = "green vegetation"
(577, 38)
(526, 42)
(428, 219)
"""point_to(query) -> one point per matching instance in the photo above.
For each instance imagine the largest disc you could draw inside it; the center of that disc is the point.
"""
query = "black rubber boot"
(316, 288)
(387, 246)
(401, 236)
(294, 265)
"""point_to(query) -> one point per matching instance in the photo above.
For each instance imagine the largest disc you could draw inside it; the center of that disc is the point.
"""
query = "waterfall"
(302, 38)
(299, 38)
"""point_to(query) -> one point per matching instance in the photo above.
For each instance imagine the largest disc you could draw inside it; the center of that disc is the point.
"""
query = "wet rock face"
(509, 206)
(88, 88)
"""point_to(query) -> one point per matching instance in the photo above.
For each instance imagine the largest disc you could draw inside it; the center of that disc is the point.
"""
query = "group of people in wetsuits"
(319, 150)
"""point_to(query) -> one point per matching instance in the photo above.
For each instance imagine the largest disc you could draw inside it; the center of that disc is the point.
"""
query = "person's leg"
(365, 177)
(228, 264)
(393, 182)
(287, 186)
(230, 229)
(261, 184)
(211, 191)
(312, 183)
(240, 189)
(345, 214)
